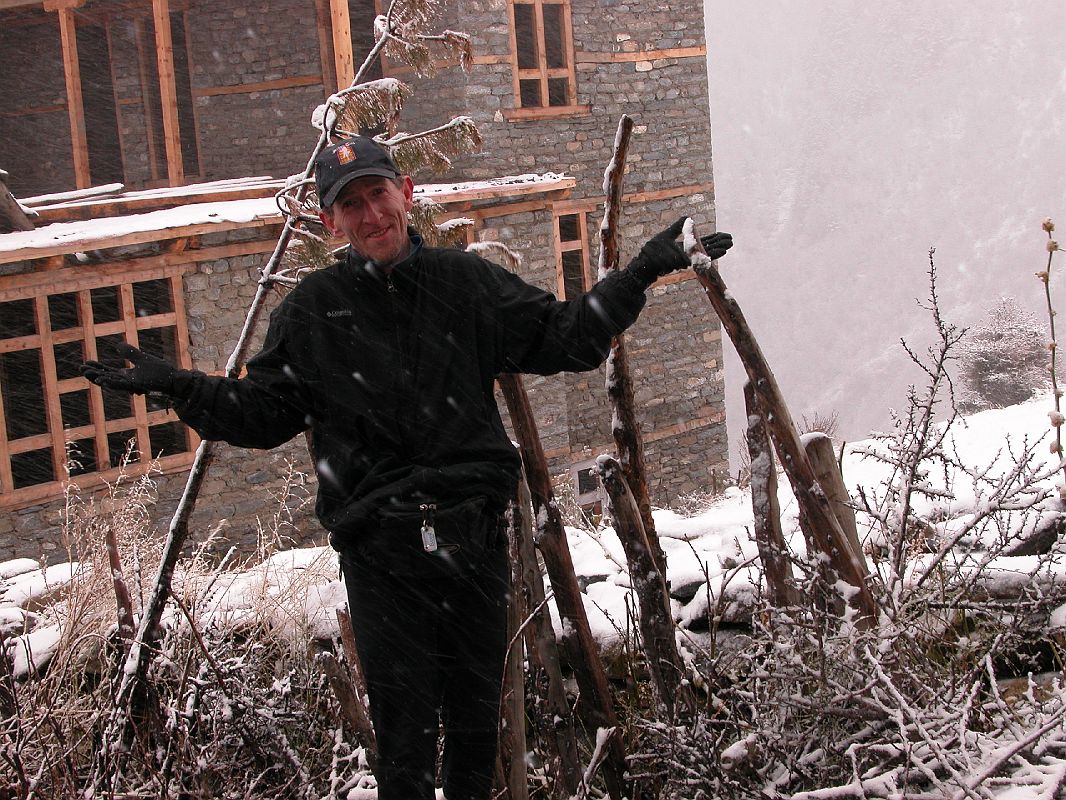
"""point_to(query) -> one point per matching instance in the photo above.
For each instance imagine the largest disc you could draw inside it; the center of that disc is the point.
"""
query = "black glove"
(715, 244)
(661, 254)
(148, 373)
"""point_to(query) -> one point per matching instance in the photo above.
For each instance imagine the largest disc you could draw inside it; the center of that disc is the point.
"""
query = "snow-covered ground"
(712, 557)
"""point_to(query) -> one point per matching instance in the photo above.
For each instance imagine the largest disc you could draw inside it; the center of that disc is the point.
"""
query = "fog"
(850, 138)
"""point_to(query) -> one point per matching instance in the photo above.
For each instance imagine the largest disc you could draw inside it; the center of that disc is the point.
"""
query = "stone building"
(180, 100)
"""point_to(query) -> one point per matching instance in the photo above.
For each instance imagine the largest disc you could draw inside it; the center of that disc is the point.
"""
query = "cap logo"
(346, 154)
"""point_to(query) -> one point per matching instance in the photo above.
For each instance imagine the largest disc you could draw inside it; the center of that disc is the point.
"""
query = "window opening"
(572, 250)
(54, 422)
(543, 54)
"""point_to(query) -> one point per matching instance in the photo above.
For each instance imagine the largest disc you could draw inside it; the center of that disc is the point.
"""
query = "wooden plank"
(324, 29)
(513, 35)
(586, 251)
(96, 397)
(542, 56)
(20, 287)
(27, 444)
(140, 408)
(262, 86)
(545, 112)
(642, 55)
(149, 201)
(33, 495)
(491, 60)
(51, 391)
(342, 43)
(75, 110)
(32, 111)
(7, 481)
(560, 273)
(589, 204)
(568, 51)
(137, 237)
(168, 91)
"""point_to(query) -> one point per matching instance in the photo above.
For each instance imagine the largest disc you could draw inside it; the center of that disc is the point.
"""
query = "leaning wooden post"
(556, 718)
(768, 536)
(626, 429)
(597, 705)
(813, 504)
(819, 449)
(511, 766)
(667, 670)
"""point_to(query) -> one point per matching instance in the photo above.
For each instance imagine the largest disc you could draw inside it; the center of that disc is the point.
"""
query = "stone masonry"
(675, 348)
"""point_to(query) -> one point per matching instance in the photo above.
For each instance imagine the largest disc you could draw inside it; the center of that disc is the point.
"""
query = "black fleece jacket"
(393, 376)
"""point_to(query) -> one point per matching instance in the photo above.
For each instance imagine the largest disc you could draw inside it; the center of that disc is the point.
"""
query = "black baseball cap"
(341, 163)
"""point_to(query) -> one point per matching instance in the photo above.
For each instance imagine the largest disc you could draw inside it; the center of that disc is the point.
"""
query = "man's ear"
(327, 220)
(408, 193)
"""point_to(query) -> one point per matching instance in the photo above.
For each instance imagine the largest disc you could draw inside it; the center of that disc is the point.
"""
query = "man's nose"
(371, 213)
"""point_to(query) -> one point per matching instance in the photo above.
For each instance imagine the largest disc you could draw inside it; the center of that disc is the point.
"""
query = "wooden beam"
(324, 27)
(168, 91)
(641, 55)
(263, 86)
(75, 110)
(342, 43)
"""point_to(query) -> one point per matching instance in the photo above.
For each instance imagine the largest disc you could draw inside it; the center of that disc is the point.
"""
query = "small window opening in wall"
(573, 257)
(589, 497)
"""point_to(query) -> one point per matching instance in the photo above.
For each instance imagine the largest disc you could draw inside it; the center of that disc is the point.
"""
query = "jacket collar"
(361, 266)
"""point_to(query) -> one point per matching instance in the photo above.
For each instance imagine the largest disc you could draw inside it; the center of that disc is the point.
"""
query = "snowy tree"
(1003, 360)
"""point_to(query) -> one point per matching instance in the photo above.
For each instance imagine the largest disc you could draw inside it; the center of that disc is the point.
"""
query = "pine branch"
(436, 147)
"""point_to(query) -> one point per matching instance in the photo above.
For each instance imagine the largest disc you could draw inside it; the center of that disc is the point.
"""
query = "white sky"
(850, 137)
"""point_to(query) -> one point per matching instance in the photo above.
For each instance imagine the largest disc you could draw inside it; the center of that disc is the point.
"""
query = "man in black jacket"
(388, 357)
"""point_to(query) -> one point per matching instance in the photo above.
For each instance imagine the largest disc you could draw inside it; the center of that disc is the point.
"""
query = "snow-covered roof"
(199, 217)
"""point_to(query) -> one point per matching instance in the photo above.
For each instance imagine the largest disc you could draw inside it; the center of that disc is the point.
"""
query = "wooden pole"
(342, 43)
(626, 430)
(813, 504)
(556, 719)
(513, 701)
(665, 667)
(819, 449)
(768, 536)
(75, 107)
(596, 706)
(168, 91)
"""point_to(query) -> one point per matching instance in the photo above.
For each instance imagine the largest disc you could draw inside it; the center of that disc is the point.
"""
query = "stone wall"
(675, 347)
(233, 44)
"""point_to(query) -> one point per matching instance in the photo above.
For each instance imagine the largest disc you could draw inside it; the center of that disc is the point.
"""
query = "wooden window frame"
(542, 73)
(572, 245)
(56, 438)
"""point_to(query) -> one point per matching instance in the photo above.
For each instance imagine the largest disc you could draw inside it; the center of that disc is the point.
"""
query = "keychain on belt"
(429, 534)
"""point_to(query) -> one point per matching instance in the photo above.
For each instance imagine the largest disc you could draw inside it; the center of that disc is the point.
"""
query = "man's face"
(371, 213)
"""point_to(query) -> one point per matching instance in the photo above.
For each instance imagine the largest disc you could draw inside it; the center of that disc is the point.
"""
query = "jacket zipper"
(405, 390)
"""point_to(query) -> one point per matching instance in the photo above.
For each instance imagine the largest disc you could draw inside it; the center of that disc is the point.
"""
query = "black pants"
(432, 651)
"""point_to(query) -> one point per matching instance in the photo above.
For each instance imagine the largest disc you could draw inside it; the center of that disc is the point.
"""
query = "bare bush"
(1003, 361)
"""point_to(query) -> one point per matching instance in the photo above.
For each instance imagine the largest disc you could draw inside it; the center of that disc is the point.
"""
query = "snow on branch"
(436, 147)
(362, 107)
